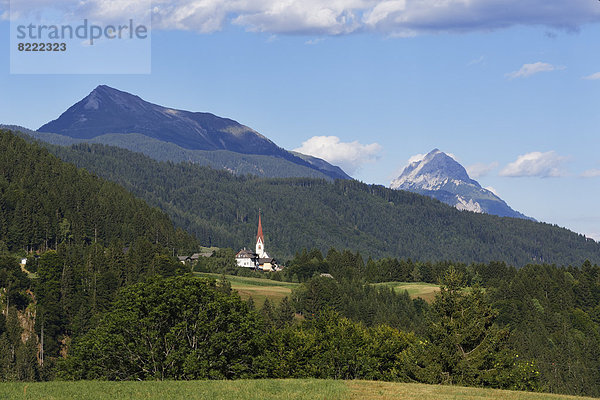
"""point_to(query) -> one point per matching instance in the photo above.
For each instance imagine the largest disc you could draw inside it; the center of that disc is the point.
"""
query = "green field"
(261, 289)
(289, 389)
(426, 291)
(257, 288)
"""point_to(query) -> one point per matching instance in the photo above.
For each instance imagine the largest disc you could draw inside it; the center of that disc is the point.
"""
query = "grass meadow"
(426, 291)
(268, 389)
(257, 288)
(261, 289)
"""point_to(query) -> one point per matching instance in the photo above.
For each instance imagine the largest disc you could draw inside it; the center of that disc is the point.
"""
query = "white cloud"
(70, 11)
(416, 158)
(338, 17)
(528, 70)
(451, 155)
(303, 16)
(405, 18)
(476, 61)
(420, 157)
(314, 41)
(591, 173)
(204, 16)
(413, 159)
(349, 156)
(594, 236)
(4, 9)
(593, 77)
(543, 165)
(491, 189)
(480, 169)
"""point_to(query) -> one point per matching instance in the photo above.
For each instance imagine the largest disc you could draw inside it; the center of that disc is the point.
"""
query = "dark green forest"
(545, 316)
(102, 296)
(45, 201)
(221, 209)
(550, 315)
(83, 237)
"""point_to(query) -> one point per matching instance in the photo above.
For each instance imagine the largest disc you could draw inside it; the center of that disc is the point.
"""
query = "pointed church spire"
(259, 234)
(260, 240)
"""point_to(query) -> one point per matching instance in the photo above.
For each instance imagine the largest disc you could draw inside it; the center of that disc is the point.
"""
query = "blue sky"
(507, 87)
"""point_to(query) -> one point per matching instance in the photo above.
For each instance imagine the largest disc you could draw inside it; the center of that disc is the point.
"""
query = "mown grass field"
(426, 291)
(289, 389)
(257, 288)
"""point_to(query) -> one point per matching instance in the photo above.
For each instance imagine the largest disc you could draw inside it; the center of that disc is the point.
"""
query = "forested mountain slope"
(221, 209)
(44, 202)
(237, 163)
(84, 238)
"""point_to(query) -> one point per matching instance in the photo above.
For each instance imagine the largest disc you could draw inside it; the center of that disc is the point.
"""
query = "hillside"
(83, 239)
(221, 209)
(237, 163)
(292, 389)
(45, 201)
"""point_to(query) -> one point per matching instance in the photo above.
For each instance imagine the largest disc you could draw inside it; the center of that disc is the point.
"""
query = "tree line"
(544, 314)
(192, 328)
(549, 315)
(220, 209)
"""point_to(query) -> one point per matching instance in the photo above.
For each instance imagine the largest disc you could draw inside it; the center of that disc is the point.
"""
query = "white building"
(246, 258)
(258, 259)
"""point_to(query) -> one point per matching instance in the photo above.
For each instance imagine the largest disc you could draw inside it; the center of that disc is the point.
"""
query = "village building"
(194, 257)
(258, 259)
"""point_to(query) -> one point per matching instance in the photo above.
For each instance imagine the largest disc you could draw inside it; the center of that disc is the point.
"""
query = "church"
(258, 259)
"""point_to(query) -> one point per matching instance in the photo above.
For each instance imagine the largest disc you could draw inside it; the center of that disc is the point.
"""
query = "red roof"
(259, 234)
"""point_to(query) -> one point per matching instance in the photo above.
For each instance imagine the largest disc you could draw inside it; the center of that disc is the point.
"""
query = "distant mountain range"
(440, 176)
(113, 117)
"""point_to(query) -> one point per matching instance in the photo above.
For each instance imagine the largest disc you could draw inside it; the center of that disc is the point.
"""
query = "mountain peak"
(434, 171)
(104, 90)
(106, 110)
(102, 96)
(440, 176)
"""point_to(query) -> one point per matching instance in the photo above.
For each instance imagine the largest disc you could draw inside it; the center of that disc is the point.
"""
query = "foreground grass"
(414, 391)
(155, 390)
(426, 291)
(291, 389)
(257, 288)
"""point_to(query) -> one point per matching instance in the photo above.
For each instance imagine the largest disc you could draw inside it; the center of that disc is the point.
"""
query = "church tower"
(260, 241)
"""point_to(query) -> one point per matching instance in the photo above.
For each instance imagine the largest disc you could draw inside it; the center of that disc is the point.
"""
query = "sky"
(511, 88)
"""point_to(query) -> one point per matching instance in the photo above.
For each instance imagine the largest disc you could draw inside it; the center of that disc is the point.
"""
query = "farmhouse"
(194, 257)
(258, 259)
